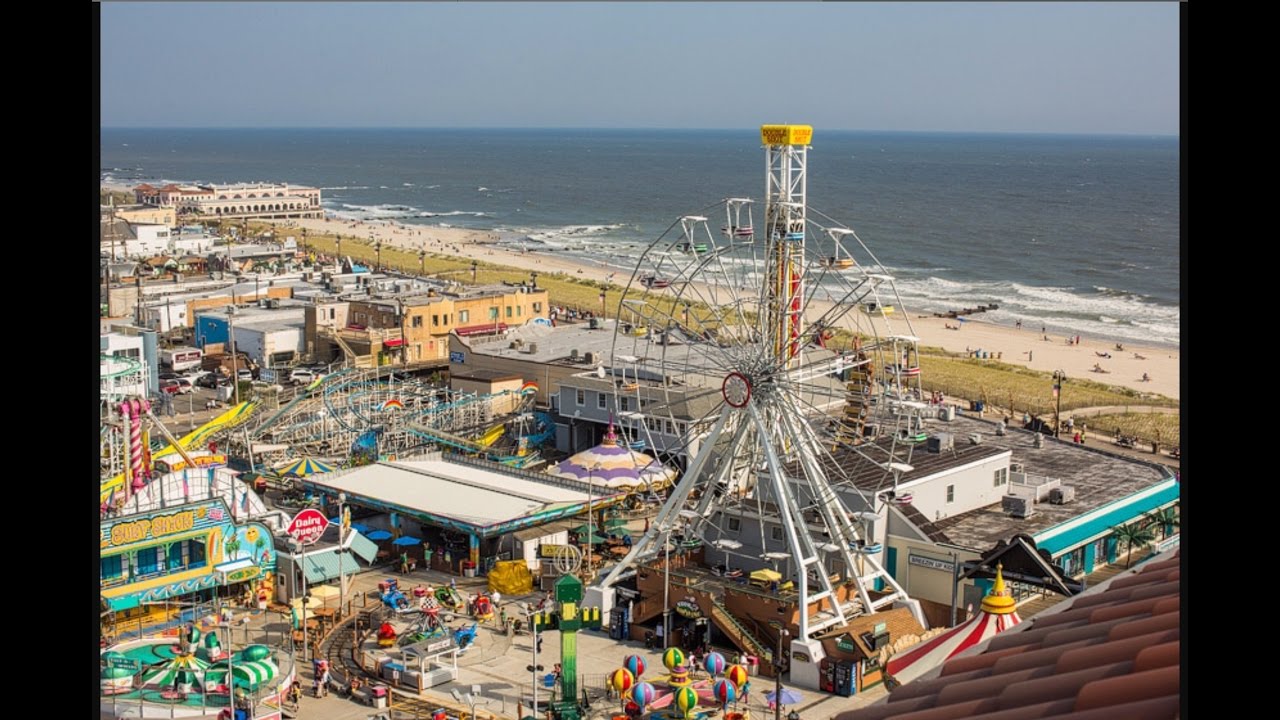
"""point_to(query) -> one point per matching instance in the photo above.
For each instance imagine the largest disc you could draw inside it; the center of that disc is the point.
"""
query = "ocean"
(1078, 233)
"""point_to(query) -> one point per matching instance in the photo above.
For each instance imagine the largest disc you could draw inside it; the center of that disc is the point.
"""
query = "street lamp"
(298, 559)
(342, 526)
(535, 668)
(1059, 377)
(470, 699)
(590, 515)
(783, 633)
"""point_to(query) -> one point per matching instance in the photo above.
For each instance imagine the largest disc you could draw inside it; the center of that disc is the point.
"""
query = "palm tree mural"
(1134, 535)
(1168, 518)
(232, 546)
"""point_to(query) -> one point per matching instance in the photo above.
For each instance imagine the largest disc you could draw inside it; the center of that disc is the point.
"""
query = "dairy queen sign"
(307, 526)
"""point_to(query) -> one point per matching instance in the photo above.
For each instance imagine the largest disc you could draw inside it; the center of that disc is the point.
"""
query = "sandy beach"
(1026, 346)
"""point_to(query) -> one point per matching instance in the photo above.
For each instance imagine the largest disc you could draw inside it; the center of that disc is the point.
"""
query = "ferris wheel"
(754, 357)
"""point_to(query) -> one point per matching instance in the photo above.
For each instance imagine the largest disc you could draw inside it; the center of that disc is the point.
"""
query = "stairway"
(743, 638)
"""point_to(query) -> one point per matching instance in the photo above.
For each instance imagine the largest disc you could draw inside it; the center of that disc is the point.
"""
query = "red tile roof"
(1110, 653)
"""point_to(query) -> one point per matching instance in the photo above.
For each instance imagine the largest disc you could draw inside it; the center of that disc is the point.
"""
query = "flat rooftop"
(1099, 478)
(553, 344)
(467, 494)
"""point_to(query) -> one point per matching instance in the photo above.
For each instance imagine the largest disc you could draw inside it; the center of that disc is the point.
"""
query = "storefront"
(177, 551)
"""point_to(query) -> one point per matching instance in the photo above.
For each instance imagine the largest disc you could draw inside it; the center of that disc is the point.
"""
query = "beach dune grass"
(1145, 426)
(1022, 389)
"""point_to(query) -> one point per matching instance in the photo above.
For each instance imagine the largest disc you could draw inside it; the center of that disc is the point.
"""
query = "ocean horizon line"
(579, 128)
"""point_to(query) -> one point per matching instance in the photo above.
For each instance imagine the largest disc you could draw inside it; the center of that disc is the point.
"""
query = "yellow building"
(390, 330)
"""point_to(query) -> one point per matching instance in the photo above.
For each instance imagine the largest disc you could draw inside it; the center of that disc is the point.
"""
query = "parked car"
(168, 376)
(185, 386)
(171, 386)
(212, 380)
(244, 374)
(302, 376)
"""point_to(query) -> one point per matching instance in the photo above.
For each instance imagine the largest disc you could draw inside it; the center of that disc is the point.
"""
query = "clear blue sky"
(984, 67)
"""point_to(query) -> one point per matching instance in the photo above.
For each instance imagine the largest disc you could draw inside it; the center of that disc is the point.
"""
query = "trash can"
(379, 694)
(753, 665)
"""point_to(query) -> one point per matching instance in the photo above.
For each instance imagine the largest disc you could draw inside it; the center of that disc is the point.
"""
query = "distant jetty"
(953, 314)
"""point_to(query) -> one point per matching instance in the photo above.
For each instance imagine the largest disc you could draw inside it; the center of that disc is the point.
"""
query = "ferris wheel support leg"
(671, 508)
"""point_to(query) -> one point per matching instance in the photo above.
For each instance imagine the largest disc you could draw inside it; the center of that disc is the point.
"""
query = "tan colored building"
(416, 329)
(147, 215)
(247, 200)
(488, 382)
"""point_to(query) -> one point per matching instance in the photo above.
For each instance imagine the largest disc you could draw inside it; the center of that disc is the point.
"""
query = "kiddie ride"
(482, 607)
(463, 637)
(393, 598)
(450, 599)
(678, 693)
(427, 627)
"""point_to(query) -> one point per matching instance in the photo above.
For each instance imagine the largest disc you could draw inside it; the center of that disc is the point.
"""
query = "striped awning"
(252, 673)
(323, 566)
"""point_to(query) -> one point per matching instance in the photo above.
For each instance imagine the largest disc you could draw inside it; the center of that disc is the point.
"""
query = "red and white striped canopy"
(997, 615)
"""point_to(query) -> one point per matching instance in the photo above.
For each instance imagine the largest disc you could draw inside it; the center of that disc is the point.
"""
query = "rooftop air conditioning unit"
(975, 439)
(532, 349)
(1018, 507)
(1015, 467)
(591, 358)
(940, 442)
(573, 355)
(273, 303)
(594, 323)
(1062, 495)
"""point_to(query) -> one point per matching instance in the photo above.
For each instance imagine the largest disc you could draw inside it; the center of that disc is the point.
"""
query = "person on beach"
(1031, 355)
(1018, 324)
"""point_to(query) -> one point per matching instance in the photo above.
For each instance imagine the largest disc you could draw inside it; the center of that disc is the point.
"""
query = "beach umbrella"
(687, 700)
(673, 658)
(407, 540)
(643, 694)
(621, 680)
(725, 691)
(307, 467)
(737, 675)
(379, 535)
(714, 663)
(786, 697)
(635, 664)
(360, 528)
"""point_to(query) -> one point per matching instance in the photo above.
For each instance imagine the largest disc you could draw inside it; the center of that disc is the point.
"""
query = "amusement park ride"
(366, 412)
(750, 328)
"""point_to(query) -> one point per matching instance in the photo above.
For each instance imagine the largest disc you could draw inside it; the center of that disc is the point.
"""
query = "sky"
(1063, 67)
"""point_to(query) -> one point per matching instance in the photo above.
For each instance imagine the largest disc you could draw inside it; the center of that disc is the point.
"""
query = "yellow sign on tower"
(786, 134)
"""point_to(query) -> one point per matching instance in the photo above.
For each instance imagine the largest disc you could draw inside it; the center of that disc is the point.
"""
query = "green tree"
(1135, 535)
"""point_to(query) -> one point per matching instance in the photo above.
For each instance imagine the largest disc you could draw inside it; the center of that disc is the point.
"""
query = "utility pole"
(235, 359)
(1059, 377)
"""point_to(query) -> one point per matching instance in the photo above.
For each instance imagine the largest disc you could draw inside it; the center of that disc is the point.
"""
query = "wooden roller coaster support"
(851, 426)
